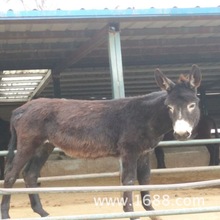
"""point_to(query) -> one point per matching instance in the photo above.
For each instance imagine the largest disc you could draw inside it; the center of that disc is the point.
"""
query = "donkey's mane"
(183, 78)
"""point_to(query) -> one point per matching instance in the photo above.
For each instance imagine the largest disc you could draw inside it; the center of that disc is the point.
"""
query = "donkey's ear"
(162, 81)
(195, 76)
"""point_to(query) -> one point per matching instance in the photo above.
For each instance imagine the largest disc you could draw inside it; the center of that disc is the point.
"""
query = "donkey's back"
(82, 128)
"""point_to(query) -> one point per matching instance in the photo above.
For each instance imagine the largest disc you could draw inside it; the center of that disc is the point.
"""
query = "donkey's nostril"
(188, 134)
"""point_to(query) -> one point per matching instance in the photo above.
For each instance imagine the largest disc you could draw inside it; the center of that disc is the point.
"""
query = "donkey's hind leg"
(31, 173)
(213, 153)
(12, 171)
(143, 176)
(159, 153)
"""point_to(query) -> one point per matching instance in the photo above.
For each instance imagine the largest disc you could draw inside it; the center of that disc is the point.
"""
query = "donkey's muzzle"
(182, 136)
(182, 130)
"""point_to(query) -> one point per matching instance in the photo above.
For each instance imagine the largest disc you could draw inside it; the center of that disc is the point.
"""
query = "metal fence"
(131, 214)
(97, 189)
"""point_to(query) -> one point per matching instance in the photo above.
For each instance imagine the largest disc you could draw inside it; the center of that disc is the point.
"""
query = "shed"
(66, 53)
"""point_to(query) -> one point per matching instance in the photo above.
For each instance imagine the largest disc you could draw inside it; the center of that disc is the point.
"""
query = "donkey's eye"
(171, 108)
(191, 106)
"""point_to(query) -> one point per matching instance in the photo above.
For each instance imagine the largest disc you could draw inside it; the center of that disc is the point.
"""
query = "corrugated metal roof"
(22, 85)
(17, 5)
(108, 13)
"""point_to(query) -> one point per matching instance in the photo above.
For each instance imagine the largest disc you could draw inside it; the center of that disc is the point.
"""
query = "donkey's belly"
(87, 149)
(88, 153)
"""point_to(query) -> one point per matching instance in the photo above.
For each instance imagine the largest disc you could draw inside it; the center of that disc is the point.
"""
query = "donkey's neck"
(163, 123)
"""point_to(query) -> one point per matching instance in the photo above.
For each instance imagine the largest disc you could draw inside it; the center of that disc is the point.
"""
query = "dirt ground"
(81, 203)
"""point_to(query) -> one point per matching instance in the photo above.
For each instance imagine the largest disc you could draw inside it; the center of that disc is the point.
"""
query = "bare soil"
(84, 203)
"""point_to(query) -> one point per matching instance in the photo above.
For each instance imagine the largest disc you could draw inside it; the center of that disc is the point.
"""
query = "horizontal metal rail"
(163, 144)
(132, 214)
(189, 142)
(121, 188)
(116, 174)
(200, 184)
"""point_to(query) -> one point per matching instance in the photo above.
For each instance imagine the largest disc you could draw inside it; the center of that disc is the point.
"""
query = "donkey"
(127, 128)
(201, 131)
(4, 140)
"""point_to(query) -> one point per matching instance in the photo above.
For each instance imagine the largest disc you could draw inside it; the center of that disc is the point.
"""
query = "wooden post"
(115, 60)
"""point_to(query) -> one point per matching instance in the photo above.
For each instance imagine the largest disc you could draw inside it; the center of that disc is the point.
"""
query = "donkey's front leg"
(128, 177)
(143, 176)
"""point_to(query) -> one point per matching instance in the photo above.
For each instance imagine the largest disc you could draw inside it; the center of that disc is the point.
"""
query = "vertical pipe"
(115, 60)
(56, 85)
(204, 109)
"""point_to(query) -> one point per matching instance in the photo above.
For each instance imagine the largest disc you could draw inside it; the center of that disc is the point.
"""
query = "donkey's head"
(182, 101)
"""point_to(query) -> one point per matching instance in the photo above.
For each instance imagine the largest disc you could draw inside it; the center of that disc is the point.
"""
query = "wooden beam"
(99, 38)
(100, 53)
(23, 64)
(87, 34)
(33, 55)
(163, 42)
(12, 35)
(68, 46)
(170, 31)
(42, 46)
(161, 59)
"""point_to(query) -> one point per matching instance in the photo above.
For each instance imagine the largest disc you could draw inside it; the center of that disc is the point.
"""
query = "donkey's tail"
(11, 148)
